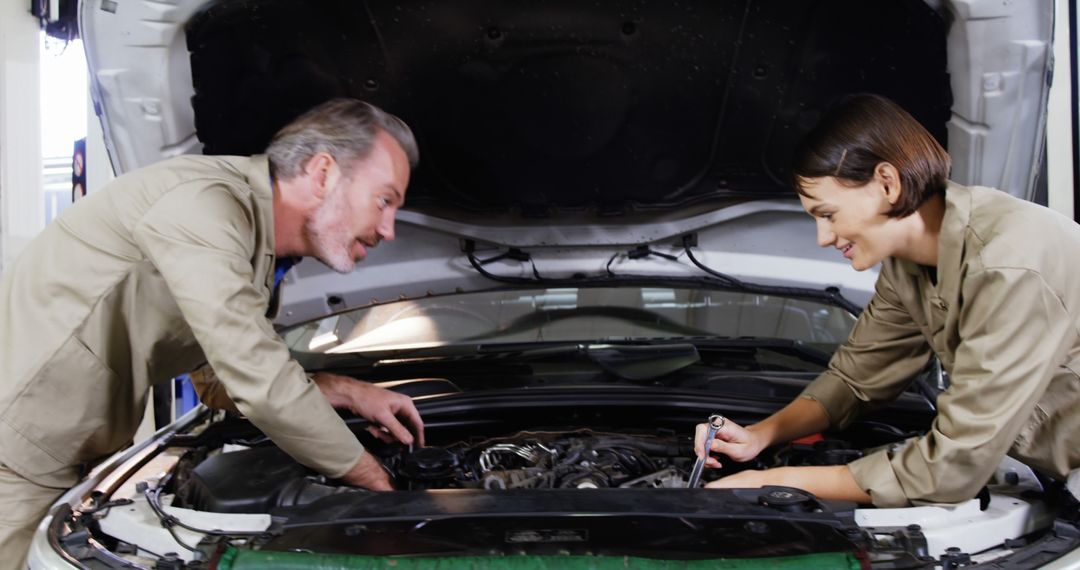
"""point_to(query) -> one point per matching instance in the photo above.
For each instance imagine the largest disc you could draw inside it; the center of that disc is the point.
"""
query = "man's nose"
(386, 225)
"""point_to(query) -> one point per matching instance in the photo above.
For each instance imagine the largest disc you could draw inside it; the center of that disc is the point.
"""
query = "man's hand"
(385, 410)
(369, 474)
(732, 440)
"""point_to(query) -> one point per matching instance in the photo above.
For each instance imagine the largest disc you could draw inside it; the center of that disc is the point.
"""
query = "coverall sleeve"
(211, 393)
(884, 351)
(201, 239)
(1015, 332)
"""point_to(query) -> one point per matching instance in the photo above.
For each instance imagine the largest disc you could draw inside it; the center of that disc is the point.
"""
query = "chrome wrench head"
(716, 421)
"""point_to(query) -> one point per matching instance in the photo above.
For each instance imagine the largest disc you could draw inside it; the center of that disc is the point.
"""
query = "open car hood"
(564, 137)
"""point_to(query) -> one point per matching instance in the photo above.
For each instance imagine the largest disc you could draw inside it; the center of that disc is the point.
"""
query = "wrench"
(716, 421)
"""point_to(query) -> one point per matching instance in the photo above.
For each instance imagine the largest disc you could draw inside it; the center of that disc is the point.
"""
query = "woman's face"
(852, 219)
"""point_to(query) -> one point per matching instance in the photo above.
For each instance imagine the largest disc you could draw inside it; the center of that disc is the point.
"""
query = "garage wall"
(99, 168)
(21, 206)
(1059, 125)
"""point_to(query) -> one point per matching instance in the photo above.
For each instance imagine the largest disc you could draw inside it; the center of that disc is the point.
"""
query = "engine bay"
(240, 479)
(551, 472)
(527, 482)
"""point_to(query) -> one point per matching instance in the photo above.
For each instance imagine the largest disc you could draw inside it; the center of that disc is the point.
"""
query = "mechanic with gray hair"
(175, 266)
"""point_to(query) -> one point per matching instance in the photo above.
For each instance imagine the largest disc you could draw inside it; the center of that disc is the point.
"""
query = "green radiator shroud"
(235, 559)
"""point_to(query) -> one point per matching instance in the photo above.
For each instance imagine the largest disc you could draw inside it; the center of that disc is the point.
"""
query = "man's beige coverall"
(164, 269)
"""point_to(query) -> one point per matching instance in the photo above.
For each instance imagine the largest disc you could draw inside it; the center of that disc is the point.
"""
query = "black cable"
(167, 521)
(644, 251)
(478, 265)
(830, 295)
(513, 253)
(737, 283)
(106, 506)
(153, 497)
(608, 266)
(638, 253)
(518, 255)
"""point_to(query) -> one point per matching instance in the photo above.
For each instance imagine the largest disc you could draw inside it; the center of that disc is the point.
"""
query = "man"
(173, 266)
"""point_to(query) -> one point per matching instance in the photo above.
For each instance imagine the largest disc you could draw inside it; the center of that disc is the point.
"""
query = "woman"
(977, 277)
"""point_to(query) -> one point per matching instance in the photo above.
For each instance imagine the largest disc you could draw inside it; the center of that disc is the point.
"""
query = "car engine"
(531, 460)
(236, 479)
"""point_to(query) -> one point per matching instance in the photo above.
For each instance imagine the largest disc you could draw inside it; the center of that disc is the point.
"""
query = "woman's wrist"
(800, 418)
(761, 435)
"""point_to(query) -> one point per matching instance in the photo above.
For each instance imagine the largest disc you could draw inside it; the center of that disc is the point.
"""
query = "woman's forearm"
(802, 417)
(826, 482)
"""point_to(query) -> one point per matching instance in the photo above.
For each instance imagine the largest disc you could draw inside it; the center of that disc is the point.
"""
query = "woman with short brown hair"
(863, 132)
(973, 275)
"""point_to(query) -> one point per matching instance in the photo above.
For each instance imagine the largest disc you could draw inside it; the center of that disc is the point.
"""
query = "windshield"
(573, 315)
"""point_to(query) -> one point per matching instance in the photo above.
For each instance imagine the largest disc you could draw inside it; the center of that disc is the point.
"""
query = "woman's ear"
(889, 178)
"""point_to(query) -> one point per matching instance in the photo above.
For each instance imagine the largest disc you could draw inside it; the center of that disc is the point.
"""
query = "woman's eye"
(383, 203)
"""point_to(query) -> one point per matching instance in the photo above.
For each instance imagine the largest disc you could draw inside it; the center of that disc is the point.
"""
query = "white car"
(600, 249)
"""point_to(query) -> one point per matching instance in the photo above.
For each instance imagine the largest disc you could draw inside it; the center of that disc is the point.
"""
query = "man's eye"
(383, 203)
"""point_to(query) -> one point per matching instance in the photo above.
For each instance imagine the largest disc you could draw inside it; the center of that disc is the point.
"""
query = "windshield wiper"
(627, 359)
(642, 362)
(792, 346)
(634, 362)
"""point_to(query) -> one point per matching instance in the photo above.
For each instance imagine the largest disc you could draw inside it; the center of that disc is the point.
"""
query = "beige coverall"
(164, 269)
(1004, 318)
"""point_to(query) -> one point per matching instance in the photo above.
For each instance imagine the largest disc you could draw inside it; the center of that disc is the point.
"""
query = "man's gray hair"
(343, 128)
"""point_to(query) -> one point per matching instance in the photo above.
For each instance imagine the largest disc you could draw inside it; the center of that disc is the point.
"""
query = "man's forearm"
(212, 393)
(334, 388)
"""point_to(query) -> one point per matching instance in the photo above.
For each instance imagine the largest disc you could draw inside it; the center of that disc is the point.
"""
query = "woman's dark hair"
(863, 131)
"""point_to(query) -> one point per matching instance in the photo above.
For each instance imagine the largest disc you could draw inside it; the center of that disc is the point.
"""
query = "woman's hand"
(732, 440)
(801, 417)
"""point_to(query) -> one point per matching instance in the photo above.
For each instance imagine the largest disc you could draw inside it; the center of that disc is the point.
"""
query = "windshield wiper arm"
(793, 346)
(633, 362)
(643, 362)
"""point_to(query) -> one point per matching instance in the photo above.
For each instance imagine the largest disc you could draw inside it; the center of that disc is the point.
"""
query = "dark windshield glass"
(573, 315)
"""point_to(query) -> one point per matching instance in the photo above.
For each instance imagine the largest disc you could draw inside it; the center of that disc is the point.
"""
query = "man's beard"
(328, 231)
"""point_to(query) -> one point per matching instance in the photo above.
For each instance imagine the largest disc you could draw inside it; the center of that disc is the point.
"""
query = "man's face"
(851, 219)
(358, 211)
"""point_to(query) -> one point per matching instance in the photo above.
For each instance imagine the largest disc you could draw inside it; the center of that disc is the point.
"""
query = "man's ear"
(323, 172)
(889, 178)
